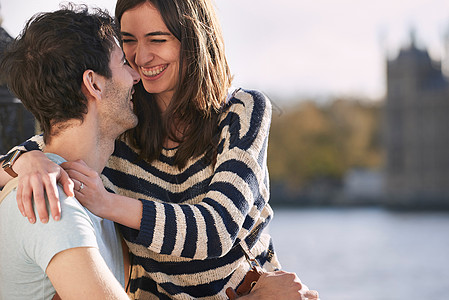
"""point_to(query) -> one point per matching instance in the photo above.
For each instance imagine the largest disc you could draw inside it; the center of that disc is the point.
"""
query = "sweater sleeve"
(34, 143)
(233, 206)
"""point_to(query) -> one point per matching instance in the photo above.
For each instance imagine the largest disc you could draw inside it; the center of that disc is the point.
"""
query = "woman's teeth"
(151, 72)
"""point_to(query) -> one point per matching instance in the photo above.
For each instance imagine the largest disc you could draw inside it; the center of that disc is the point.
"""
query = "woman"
(196, 161)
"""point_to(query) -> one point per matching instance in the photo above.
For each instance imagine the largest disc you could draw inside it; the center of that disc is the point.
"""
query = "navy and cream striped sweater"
(194, 218)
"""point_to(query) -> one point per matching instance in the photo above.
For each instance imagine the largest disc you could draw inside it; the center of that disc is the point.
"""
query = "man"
(69, 71)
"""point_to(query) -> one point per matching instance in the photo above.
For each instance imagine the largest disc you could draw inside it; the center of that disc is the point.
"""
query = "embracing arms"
(203, 215)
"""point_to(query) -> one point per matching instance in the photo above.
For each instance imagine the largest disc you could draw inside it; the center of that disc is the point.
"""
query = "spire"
(412, 38)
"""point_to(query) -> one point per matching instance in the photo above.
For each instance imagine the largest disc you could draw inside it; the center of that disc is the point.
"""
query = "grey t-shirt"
(26, 249)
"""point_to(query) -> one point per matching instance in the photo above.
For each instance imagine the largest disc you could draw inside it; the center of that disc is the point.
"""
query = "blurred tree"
(310, 142)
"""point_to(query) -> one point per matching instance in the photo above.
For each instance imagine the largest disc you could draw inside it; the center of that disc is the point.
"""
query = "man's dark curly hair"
(44, 66)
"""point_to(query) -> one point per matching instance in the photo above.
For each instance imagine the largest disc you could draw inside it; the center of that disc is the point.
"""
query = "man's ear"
(94, 84)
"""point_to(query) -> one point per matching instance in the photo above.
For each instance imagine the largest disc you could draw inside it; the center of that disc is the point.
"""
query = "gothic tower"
(417, 130)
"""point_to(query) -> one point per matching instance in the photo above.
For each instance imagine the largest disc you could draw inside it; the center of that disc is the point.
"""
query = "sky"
(304, 49)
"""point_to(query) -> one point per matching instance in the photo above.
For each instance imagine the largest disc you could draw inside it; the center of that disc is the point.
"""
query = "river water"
(365, 253)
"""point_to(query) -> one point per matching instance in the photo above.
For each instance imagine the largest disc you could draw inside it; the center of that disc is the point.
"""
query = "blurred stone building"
(16, 123)
(417, 131)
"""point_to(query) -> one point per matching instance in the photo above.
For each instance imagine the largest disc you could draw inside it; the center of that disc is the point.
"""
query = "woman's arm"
(234, 204)
(34, 143)
(96, 199)
(235, 198)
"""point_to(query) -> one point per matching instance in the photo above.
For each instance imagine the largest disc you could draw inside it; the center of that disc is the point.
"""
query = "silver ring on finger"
(81, 187)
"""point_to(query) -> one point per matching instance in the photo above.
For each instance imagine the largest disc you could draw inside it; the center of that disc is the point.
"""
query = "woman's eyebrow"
(155, 33)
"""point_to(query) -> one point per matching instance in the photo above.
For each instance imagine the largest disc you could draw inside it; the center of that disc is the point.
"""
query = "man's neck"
(82, 142)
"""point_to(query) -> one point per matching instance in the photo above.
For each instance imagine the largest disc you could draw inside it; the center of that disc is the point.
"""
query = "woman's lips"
(153, 72)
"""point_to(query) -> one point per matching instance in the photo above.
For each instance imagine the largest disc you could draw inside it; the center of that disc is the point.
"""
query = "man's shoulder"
(73, 214)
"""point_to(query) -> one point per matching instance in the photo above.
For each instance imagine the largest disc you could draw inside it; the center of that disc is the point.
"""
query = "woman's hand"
(280, 285)
(38, 175)
(89, 189)
(90, 192)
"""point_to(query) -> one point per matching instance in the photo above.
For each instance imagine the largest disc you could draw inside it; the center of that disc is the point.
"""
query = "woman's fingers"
(38, 177)
(312, 295)
(51, 189)
(34, 186)
(79, 180)
(77, 165)
(21, 193)
(67, 183)
(31, 189)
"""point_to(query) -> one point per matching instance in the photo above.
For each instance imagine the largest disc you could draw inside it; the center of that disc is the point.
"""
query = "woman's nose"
(143, 54)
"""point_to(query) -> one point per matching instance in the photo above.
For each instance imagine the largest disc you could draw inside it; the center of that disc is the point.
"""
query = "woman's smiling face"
(152, 50)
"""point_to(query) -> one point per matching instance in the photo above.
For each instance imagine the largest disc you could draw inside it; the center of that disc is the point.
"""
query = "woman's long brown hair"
(202, 89)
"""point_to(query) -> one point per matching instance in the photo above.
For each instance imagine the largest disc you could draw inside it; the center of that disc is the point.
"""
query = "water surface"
(365, 253)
